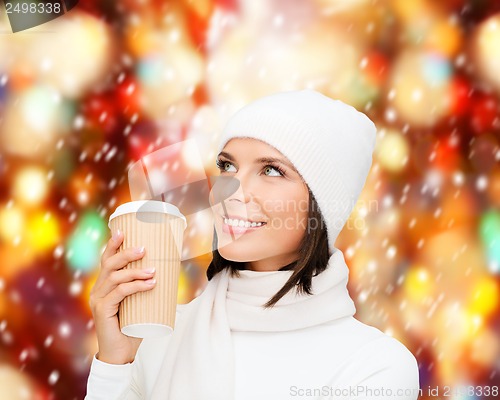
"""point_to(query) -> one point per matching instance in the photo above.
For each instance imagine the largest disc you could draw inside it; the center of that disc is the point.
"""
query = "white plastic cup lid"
(147, 206)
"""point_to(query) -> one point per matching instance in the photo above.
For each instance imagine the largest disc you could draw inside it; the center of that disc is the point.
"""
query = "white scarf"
(199, 361)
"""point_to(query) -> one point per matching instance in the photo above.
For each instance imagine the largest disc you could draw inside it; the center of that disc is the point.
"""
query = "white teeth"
(241, 223)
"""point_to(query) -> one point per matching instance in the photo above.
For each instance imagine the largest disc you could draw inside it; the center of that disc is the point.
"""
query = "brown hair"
(313, 259)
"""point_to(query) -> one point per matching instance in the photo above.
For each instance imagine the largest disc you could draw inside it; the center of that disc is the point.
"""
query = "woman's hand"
(113, 284)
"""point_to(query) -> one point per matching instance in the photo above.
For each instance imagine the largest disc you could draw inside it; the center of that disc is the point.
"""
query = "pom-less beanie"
(329, 142)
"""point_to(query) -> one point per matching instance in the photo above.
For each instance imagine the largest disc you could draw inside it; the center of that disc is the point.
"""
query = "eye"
(223, 165)
(279, 171)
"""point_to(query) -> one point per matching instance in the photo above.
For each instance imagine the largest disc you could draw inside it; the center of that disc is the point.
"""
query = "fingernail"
(116, 235)
(149, 270)
(151, 281)
(139, 250)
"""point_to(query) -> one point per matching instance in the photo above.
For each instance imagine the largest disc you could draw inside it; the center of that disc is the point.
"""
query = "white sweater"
(306, 348)
(301, 364)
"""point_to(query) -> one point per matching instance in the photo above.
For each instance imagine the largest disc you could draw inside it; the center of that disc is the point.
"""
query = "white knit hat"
(329, 142)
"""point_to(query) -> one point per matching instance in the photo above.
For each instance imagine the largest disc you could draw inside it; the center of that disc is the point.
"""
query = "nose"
(229, 188)
(241, 195)
(242, 186)
(222, 188)
(246, 189)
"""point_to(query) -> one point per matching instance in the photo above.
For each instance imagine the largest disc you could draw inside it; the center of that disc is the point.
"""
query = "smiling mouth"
(239, 223)
(237, 226)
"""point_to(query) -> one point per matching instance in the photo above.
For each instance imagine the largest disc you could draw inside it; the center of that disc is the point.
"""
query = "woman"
(275, 320)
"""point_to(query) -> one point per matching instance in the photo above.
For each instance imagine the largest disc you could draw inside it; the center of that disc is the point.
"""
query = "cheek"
(285, 233)
(288, 218)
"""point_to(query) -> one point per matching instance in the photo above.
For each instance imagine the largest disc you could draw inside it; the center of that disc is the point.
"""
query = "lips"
(226, 228)
(242, 224)
(240, 218)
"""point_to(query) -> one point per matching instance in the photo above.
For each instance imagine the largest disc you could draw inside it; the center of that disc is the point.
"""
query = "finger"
(122, 258)
(113, 245)
(116, 262)
(116, 278)
(126, 289)
(107, 282)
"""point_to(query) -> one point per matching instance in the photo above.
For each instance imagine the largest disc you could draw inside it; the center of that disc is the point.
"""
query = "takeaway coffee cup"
(159, 227)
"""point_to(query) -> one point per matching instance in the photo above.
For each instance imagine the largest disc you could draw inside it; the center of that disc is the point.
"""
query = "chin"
(237, 253)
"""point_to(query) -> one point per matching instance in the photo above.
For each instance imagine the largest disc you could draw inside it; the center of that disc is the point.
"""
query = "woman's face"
(264, 221)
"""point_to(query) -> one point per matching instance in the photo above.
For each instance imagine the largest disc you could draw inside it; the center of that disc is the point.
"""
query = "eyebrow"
(262, 160)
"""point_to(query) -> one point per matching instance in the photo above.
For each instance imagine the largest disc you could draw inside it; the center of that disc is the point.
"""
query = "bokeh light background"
(85, 96)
